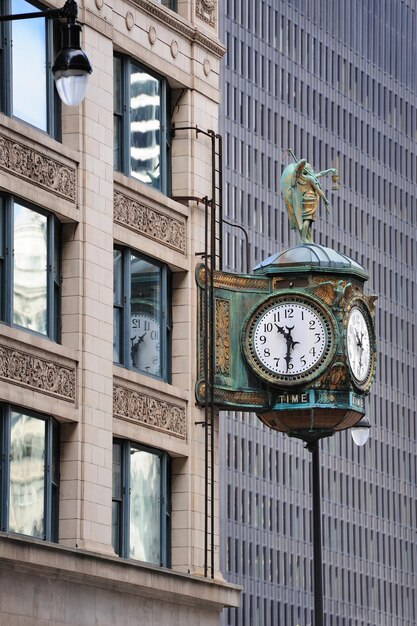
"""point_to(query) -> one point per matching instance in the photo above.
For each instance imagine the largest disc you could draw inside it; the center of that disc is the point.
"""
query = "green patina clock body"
(294, 342)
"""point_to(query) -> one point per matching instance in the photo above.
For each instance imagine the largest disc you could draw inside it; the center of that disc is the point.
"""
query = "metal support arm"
(69, 10)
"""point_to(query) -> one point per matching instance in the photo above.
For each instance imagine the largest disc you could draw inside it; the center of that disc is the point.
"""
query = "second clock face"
(289, 340)
(359, 345)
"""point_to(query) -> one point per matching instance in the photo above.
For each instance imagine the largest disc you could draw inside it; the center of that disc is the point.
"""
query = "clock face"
(290, 339)
(359, 351)
(145, 343)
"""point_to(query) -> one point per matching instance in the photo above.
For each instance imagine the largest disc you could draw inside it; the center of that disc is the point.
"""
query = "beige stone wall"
(99, 207)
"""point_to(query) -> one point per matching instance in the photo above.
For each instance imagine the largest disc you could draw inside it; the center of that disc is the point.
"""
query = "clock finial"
(302, 192)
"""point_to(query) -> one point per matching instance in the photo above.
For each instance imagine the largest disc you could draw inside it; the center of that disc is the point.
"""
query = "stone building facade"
(102, 468)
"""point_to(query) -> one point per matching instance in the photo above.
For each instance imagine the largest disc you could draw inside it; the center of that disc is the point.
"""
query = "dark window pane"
(145, 319)
(145, 506)
(30, 269)
(118, 302)
(27, 461)
(145, 102)
(29, 74)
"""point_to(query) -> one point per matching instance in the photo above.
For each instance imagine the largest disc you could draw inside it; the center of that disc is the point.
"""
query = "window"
(20, 77)
(30, 473)
(141, 320)
(141, 503)
(141, 127)
(30, 280)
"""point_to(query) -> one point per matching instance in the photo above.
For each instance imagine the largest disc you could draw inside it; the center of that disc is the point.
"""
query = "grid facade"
(336, 82)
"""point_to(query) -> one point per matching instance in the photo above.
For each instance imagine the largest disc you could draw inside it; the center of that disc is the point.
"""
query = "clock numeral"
(276, 359)
(268, 327)
(289, 313)
(262, 339)
(277, 317)
(312, 351)
(318, 337)
(303, 360)
(154, 334)
(312, 324)
(267, 352)
(290, 366)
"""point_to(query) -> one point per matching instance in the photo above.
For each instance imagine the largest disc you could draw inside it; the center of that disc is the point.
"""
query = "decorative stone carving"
(150, 222)
(130, 20)
(176, 23)
(231, 397)
(206, 11)
(148, 410)
(152, 35)
(222, 337)
(30, 164)
(37, 373)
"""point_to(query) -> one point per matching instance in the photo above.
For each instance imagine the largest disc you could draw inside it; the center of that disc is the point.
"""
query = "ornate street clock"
(294, 342)
(289, 339)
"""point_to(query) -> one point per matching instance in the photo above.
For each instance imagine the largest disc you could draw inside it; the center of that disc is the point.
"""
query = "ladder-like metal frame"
(213, 259)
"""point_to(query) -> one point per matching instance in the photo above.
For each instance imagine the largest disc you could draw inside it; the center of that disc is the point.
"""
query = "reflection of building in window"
(145, 127)
(141, 503)
(30, 269)
(27, 479)
(29, 449)
(141, 321)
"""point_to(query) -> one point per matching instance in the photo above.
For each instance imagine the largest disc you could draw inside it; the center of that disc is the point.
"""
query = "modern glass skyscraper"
(337, 83)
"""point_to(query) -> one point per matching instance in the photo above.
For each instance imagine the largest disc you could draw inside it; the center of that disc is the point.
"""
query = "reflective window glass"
(29, 77)
(141, 503)
(30, 269)
(145, 328)
(141, 313)
(145, 506)
(27, 475)
(144, 126)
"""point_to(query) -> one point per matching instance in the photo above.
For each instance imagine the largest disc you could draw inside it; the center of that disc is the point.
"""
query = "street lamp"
(360, 435)
(71, 68)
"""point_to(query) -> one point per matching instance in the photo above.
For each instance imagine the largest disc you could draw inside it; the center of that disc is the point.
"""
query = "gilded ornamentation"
(222, 338)
(150, 222)
(29, 164)
(330, 291)
(206, 11)
(230, 397)
(222, 280)
(337, 378)
(37, 373)
(148, 410)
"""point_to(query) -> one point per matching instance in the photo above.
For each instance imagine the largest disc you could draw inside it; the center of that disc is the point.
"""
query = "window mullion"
(5, 469)
(127, 291)
(47, 480)
(125, 521)
(126, 165)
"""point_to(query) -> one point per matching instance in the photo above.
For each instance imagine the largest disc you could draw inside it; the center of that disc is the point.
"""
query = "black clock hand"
(141, 338)
(290, 343)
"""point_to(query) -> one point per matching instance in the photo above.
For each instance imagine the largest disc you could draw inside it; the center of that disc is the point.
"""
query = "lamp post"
(360, 435)
(71, 68)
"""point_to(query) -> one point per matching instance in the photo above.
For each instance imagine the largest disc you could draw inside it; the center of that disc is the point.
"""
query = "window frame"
(165, 314)
(51, 471)
(53, 269)
(52, 43)
(123, 532)
(123, 116)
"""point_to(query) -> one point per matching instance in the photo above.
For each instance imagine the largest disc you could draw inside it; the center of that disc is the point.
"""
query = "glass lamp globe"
(71, 67)
(360, 432)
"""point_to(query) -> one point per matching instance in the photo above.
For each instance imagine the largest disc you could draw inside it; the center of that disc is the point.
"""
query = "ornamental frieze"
(149, 411)
(233, 281)
(36, 167)
(222, 337)
(142, 219)
(37, 373)
(206, 11)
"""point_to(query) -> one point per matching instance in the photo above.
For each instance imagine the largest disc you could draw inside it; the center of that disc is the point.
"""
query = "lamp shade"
(71, 67)
(360, 432)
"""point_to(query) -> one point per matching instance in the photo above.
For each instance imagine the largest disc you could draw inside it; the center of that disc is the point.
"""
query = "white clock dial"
(145, 343)
(358, 345)
(290, 339)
